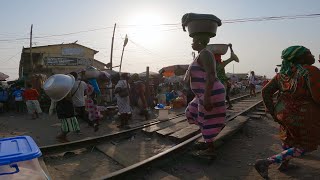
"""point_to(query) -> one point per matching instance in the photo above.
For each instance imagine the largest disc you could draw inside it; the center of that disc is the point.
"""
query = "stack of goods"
(179, 102)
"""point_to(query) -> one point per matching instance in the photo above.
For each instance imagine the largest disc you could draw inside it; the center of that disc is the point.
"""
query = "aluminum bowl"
(220, 49)
(58, 86)
(202, 26)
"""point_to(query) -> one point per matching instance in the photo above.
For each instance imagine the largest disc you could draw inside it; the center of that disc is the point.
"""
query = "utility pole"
(114, 29)
(233, 68)
(147, 85)
(31, 60)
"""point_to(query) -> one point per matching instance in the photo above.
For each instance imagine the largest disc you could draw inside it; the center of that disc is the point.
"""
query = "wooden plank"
(248, 100)
(253, 116)
(163, 125)
(230, 128)
(184, 133)
(260, 109)
(245, 103)
(172, 129)
(237, 109)
(258, 113)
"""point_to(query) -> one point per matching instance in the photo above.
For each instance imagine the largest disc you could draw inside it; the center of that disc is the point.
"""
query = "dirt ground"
(237, 156)
(44, 129)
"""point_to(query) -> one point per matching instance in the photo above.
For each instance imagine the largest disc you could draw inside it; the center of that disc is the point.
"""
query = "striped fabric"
(210, 122)
(69, 124)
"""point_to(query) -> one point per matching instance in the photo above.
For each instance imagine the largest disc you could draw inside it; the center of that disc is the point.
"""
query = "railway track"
(120, 155)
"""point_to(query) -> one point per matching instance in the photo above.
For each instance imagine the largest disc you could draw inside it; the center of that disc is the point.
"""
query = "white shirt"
(251, 79)
(78, 97)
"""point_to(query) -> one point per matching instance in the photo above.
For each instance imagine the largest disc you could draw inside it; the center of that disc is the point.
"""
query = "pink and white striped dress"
(210, 122)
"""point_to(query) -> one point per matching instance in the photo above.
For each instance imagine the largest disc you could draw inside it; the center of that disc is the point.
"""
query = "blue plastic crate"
(17, 149)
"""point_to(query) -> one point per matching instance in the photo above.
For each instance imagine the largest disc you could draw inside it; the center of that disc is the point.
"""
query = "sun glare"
(146, 28)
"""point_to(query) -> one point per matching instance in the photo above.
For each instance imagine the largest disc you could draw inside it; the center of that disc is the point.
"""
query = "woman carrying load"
(208, 108)
(297, 108)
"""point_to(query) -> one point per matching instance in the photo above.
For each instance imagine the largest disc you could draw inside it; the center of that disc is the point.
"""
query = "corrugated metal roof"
(34, 47)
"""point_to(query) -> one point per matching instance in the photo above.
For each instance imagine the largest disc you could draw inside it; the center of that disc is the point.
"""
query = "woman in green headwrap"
(297, 108)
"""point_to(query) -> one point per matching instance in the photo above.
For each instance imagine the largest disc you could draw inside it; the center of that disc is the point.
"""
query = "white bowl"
(58, 86)
(220, 49)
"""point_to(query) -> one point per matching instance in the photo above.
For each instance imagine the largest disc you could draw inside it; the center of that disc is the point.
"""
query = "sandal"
(262, 166)
(200, 145)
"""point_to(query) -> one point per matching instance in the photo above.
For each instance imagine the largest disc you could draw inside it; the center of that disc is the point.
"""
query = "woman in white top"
(252, 85)
(123, 100)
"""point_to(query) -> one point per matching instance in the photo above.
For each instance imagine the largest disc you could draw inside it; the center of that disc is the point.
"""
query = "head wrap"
(289, 56)
(218, 58)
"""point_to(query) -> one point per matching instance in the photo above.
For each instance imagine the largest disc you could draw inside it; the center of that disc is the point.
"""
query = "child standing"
(69, 122)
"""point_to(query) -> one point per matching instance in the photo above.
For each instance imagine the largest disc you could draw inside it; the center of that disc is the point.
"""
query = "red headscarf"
(218, 59)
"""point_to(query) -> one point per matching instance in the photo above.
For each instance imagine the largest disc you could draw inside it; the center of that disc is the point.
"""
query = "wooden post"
(147, 86)
(31, 60)
(114, 29)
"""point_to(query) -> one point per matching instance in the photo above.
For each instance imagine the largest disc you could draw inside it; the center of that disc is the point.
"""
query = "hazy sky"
(155, 35)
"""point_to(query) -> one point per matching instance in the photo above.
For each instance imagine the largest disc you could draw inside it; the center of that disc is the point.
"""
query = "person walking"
(297, 108)
(31, 96)
(122, 90)
(252, 84)
(18, 99)
(207, 109)
(4, 98)
(221, 73)
(142, 103)
(66, 114)
(77, 93)
(94, 113)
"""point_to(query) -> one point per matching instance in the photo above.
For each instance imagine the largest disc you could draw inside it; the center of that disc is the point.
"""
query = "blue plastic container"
(19, 159)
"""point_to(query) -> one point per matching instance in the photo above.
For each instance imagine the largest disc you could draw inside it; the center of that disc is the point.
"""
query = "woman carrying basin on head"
(208, 108)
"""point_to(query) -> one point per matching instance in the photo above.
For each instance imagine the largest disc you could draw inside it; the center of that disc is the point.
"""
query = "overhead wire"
(3, 61)
(227, 21)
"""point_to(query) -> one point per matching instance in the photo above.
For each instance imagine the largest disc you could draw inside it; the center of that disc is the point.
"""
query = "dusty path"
(236, 158)
(44, 130)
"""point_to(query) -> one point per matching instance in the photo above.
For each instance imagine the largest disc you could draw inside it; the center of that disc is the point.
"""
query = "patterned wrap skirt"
(210, 122)
(69, 124)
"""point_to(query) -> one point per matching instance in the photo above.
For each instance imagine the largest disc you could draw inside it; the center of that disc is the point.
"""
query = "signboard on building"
(65, 61)
(72, 52)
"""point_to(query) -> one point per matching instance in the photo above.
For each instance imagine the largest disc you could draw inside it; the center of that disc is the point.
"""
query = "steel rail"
(179, 147)
(91, 141)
